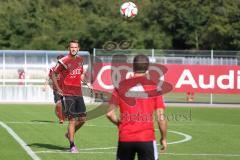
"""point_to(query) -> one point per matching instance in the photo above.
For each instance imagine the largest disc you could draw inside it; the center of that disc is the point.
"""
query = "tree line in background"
(160, 24)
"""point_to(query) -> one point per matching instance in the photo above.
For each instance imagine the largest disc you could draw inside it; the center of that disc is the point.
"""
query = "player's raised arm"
(162, 124)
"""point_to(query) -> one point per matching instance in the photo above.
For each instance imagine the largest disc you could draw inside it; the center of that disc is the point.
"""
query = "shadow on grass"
(48, 146)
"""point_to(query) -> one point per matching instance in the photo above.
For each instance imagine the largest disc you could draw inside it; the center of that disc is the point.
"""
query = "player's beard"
(74, 53)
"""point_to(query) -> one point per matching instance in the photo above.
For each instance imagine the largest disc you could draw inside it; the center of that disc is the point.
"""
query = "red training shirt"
(70, 69)
(137, 119)
(50, 74)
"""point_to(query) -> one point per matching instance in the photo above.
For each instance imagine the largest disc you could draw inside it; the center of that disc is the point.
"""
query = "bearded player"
(71, 73)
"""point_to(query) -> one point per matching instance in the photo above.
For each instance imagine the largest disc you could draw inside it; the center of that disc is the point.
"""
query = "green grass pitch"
(214, 132)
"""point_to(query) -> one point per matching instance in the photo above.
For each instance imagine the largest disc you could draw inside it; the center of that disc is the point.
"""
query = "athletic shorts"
(74, 107)
(144, 150)
(56, 96)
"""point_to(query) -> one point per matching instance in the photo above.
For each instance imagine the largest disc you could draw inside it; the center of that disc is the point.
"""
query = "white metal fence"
(36, 64)
(23, 74)
(177, 56)
(190, 57)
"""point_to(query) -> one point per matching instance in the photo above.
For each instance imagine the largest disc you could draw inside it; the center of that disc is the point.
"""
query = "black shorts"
(56, 96)
(144, 150)
(74, 106)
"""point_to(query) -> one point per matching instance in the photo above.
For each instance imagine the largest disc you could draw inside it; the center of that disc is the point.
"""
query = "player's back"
(138, 98)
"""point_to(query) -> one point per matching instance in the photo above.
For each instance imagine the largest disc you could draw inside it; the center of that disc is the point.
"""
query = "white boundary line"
(35, 157)
(67, 152)
(111, 126)
(11, 122)
(20, 141)
(187, 137)
(168, 104)
(202, 154)
(171, 154)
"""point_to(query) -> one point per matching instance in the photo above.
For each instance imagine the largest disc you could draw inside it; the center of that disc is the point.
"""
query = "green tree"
(161, 24)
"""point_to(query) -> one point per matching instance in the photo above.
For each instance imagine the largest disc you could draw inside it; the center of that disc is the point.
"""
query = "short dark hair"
(140, 63)
(74, 41)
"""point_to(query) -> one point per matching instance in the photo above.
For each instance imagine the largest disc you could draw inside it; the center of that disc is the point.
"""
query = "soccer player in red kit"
(136, 123)
(57, 97)
(71, 73)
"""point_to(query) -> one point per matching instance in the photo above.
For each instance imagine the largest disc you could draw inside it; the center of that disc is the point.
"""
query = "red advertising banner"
(204, 78)
(183, 78)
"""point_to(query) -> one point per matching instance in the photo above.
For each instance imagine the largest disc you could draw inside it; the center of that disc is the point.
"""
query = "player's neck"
(72, 56)
(139, 74)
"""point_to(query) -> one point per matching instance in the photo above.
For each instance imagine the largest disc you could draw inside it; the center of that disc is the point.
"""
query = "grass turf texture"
(214, 131)
(203, 98)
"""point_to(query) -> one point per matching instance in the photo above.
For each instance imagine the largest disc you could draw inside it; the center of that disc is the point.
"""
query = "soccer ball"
(129, 9)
